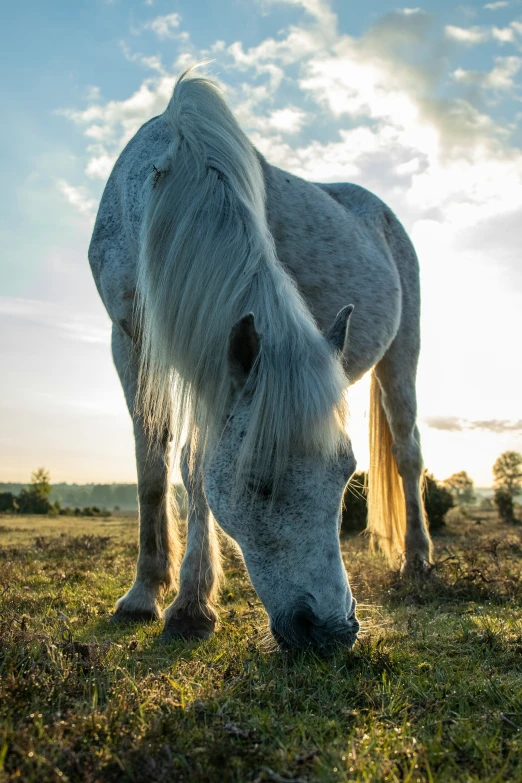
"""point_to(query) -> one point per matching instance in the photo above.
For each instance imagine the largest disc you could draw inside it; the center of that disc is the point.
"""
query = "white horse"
(230, 284)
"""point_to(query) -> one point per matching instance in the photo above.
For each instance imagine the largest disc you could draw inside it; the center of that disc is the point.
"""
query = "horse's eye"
(260, 488)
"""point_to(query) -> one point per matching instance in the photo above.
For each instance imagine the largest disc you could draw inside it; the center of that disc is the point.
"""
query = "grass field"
(432, 691)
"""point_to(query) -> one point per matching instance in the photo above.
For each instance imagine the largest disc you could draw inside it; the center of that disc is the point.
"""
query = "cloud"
(501, 77)
(333, 161)
(497, 425)
(503, 34)
(368, 92)
(470, 36)
(78, 198)
(114, 123)
(444, 142)
(297, 42)
(466, 35)
(92, 93)
(455, 424)
(101, 162)
(428, 156)
(499, 237)
(433, 153)
(164, 26)
(445, 423)
(497, 5)
(320, 10)
(289, 120)
(441, 158)
(152, 62)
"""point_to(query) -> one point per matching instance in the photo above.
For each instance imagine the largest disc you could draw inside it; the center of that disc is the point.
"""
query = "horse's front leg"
(192, 615)
(158, 559)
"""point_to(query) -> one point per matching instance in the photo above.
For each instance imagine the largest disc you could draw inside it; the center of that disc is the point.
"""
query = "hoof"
(125, 616)
(187, 627)
(416, 567)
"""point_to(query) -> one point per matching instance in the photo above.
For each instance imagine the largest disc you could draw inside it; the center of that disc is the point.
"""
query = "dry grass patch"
(431, 692)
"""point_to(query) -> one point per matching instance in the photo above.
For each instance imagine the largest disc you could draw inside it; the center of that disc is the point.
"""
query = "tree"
(41, 483)
(461, 487)
(507, 472)
(437, 500)
(504, 504)
(35, 499)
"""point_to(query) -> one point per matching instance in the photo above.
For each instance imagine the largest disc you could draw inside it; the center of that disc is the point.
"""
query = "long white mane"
(207, 258)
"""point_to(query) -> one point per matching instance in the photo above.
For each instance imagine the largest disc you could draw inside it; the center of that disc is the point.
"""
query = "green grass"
(432, 691)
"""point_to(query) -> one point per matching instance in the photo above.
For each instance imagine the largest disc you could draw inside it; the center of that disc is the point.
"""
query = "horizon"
(420, 105)
(134, 483)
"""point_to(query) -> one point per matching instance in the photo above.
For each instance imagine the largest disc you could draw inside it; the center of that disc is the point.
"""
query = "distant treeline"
(125, 496)
(80, 495)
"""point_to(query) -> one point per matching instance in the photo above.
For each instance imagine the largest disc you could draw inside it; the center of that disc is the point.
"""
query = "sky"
(420, 104)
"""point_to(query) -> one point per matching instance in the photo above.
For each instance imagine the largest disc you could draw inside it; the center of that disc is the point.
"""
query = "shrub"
(437, 501)
(355, 511)
(30, 502)
(7, 501)
(88, 511)
(92, 511)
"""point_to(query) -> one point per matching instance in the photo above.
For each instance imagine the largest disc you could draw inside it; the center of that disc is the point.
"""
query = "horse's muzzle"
(302, 630)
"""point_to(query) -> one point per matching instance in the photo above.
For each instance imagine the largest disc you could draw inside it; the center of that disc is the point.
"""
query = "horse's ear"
(243, 349)
(337, 334)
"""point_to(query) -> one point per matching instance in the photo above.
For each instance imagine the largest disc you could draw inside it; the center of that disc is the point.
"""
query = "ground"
(432, 691)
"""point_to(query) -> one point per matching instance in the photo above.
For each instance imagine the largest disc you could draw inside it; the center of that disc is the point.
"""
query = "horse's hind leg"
(159, 547)
(396, 376)
(192, 614)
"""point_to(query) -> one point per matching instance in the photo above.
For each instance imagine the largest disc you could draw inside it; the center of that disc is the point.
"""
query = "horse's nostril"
(303, 625)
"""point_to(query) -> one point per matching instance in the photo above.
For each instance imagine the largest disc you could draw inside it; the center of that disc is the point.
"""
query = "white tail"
(386, 502)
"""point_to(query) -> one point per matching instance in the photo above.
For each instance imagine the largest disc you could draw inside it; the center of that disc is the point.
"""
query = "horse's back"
(381, 225)
(332, 240)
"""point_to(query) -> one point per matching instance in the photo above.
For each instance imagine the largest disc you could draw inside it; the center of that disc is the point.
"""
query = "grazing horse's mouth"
(346, 640)
(302, 631)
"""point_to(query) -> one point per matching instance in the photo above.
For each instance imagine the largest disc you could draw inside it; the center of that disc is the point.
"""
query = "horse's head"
(289, 533)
